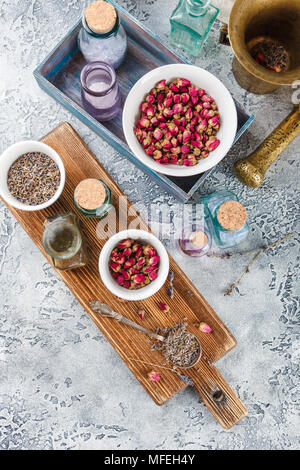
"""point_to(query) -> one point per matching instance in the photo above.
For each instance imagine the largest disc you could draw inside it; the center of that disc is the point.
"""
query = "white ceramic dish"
(15, 151)
(201, 78)
(143, 292)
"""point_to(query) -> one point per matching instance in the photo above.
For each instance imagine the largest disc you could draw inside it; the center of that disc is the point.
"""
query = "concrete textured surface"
(62, 386)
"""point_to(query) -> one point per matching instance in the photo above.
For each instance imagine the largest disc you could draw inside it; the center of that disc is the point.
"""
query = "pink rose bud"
(125, 275)
(161, 85)
(126, 284)
(153, 260)
(177, 108)
(177, 98)
(174, 87)
(149, 250)
(138, 278)
(154, 376)
(184, 98)
(152, 276)
(115, 267)
(183, 82)
(207, 98)
(141, 313)
(120, 280)
(157, 134)
(193, 91)
(144, 122)
(129, 263)
(185, 149)
(186, 136)
(168, 102)
(212, 144)
(205, 328)
(164, 307)
(150, 99)
(126, 243)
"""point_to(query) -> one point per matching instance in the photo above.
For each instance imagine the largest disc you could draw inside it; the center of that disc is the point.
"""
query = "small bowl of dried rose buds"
(179, 120)
(133, 264)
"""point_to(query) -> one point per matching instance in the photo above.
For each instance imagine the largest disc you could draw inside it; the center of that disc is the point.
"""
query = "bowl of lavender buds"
(133, 264)
(179, 120)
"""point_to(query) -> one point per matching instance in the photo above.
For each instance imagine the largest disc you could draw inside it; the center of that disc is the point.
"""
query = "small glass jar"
(100, 93)
(226, 218)
(63, 242)
(93, 198)
(102, 37)
(195, 241)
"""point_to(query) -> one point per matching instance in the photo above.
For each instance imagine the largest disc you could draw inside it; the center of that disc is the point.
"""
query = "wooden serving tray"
(86, 285)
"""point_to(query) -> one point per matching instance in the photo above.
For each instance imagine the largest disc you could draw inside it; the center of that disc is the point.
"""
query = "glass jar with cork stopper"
(226, 218)
(102, 37)
(93, 198)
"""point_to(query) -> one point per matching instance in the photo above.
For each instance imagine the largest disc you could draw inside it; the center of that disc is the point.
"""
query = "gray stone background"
(62, 386)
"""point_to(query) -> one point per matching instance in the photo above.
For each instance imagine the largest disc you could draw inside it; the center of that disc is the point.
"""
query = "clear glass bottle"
(224, 237)
(103, 38)
(191, 22)
(63, 242)
(100, 93)
(195, 241)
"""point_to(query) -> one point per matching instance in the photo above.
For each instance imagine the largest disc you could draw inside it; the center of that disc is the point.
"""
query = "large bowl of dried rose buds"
(179, 120)
(133, 264)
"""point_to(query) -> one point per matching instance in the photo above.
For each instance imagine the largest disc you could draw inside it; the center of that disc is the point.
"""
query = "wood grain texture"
(86, 285)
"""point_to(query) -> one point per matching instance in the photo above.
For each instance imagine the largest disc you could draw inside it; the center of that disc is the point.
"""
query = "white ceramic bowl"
(201, 78)
(143, 292)
(15, 151)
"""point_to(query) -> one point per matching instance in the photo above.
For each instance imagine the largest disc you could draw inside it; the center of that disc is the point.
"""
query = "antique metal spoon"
(106, 311)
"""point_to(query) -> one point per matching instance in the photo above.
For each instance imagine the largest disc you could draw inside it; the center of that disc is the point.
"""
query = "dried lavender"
(180, 347)
(33, 178)
(170, 288)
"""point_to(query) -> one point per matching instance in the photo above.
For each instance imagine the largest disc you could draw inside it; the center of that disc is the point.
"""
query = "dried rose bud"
(152, 276)
(154, 376)
(120, 258)
(168, 102)
(138, 278)
(144, 122)
(157, 155)
(174, 87)
(115, 267)
(129, 263)
(185, 98)
(186, 136)
(120, 280)
(161, 85)
(150, 99)
(157, 134)
(185, 149)
(183, 82)
(212, 143)
(141, 313)
(126, 243)
(148, 250)
(126, 284)
(164, 307)
(154, 260)
(207, 98)
(125, 274)
(205, 328)
(136, 247)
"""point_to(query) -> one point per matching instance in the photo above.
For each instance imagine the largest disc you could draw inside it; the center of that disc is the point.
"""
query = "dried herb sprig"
(258, 252)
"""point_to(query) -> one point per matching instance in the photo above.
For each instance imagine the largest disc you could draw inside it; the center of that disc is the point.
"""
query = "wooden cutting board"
(86, 285)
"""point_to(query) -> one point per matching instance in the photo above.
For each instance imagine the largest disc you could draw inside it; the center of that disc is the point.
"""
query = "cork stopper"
(90, 194)
(100, 16)
(232, 215)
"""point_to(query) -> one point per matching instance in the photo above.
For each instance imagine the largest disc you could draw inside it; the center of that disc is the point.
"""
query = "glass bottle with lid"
(191, 22)
(102, 37)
